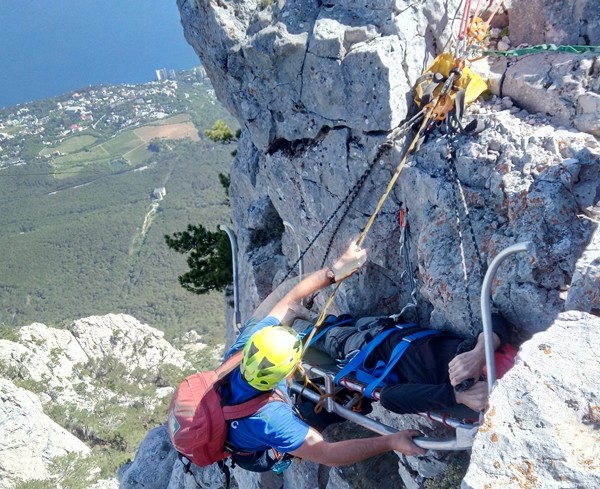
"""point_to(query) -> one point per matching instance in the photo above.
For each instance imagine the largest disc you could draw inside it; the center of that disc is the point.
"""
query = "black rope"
(467, 215)
(312, 241)
(353, 193)
(462, 252)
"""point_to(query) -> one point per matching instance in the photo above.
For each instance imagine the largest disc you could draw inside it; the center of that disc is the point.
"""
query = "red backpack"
(197, 419)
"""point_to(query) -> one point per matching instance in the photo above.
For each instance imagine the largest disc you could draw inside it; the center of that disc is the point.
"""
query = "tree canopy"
(220, 132)
(209, 258)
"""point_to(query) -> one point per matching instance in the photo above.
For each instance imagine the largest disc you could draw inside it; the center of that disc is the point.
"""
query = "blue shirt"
(275, 425)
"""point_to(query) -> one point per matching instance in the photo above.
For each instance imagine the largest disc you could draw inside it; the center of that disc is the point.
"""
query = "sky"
(49, 47)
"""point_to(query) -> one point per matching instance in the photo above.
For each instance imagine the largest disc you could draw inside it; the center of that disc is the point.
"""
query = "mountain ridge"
(83, 396)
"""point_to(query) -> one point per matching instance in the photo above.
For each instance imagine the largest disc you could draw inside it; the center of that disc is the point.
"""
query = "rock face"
(64, 369)
(543, 427)
(555, 21)
(299, 165)
(29, 440)
(317, 86)
(156, 467)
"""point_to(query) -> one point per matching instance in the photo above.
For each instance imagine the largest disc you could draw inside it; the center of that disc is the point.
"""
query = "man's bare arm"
(285, 309)
(346, 265)
(347, 452)
(267, 305)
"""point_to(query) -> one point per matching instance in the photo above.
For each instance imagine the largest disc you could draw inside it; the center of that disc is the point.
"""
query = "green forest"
(92, 241)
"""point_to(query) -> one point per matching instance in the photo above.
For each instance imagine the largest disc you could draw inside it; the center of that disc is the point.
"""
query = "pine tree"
(209, 258)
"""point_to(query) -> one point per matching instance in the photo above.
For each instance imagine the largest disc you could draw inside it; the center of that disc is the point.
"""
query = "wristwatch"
(330, 275)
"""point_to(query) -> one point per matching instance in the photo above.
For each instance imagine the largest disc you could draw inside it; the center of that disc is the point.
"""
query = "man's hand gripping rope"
(354, 258)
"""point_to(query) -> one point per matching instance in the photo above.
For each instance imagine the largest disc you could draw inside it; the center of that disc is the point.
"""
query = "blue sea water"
(50, 47)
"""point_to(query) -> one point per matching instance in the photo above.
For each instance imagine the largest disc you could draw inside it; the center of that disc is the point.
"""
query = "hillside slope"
(76, 402)
(80, 229)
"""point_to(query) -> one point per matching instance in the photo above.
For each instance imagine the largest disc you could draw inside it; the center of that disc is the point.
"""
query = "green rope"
(541, 48)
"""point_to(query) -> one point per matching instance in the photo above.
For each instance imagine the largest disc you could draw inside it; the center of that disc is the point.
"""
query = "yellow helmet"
(270, 356)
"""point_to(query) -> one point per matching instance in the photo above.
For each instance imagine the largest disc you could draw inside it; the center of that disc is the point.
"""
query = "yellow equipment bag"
(429, 85)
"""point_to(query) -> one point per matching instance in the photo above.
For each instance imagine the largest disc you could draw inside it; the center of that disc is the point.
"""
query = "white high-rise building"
(161, 74)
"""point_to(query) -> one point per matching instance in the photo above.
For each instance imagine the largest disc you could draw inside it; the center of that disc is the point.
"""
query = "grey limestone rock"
(52, 362)
(554, 21)
(29, 440)
(542, 429)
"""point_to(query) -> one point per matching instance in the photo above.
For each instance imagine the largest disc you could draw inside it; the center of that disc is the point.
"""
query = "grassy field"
(72, 233)
(70, 145)
(180, 130)
(114, 149)
(80, 151)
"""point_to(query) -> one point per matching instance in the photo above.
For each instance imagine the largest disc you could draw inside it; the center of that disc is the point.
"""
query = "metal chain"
(457, 188)
(353, 192)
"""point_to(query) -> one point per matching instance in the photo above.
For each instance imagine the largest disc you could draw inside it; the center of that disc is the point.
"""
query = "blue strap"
(325, 327)
(395, 356)
(324, 330)
(362, 355)
(303, 334)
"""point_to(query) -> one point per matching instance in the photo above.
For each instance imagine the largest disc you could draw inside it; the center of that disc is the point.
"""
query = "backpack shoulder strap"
(229, 365)
(249, 407)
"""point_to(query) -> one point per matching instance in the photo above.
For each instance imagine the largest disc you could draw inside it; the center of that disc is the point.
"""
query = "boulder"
(542, 428)
(29, 440)
(126, 338)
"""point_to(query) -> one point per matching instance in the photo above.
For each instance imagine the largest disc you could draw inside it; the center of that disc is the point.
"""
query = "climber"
(437, 371)
(269, 439)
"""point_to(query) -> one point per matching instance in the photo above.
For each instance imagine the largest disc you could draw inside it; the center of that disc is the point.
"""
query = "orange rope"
(464, 21)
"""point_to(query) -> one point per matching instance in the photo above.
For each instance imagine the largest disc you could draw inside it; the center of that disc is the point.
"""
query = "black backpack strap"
(225, 469)
(187, 464)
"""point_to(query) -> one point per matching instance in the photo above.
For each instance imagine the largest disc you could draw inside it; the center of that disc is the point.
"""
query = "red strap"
(249, 407)
(229, 365)
(401, 217)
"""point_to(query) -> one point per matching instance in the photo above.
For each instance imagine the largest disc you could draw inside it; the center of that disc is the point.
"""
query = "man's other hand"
(475, 397)
(467, 365)
(403, 442)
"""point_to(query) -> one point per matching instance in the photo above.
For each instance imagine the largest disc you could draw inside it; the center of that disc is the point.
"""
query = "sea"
(51, 47)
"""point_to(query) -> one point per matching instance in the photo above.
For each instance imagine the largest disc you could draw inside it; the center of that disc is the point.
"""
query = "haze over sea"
(50, 47)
